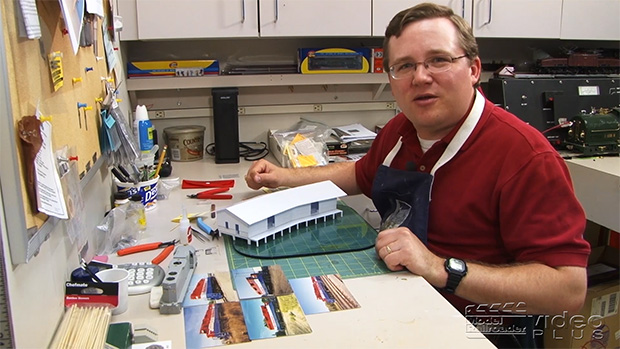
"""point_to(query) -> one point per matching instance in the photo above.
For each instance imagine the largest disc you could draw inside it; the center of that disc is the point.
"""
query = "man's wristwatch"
(457, 269)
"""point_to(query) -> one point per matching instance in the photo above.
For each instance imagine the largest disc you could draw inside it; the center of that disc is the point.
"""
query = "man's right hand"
(263, 173)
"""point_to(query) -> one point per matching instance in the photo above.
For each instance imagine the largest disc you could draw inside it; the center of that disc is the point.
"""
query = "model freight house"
(266, 215)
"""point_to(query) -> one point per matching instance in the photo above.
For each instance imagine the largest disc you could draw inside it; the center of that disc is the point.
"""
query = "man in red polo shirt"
(494, 218)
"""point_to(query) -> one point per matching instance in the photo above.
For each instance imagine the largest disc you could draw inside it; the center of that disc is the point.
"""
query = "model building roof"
(261, 207)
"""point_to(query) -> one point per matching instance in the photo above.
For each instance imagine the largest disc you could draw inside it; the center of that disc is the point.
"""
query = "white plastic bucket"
(147, 189)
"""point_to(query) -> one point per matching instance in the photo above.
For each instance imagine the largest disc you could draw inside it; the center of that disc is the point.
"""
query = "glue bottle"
(143, 129)
(137, 208)
(185, 233)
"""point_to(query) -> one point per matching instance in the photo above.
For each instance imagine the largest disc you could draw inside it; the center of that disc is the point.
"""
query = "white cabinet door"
(320, 18)
(517, 18)
(178, 19)
(384, 10)
(590, 20)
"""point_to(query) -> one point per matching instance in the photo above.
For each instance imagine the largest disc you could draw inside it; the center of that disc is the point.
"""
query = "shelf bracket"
(378, 91)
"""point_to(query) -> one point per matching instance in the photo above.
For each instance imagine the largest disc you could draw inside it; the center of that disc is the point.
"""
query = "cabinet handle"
(463, 8)
(242, 11)
(490, 13)
(277, 13)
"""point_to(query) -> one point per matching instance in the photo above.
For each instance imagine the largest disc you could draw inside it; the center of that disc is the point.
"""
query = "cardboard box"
(598, 323)
(336, 147)
(603, 265)
(377, 60)
(335, 60)
(276, 149)
(173, 68)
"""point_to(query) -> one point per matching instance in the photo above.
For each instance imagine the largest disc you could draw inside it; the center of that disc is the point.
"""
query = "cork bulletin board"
(31, 87)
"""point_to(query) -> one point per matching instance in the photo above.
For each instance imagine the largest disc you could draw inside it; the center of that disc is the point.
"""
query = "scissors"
(213, 194)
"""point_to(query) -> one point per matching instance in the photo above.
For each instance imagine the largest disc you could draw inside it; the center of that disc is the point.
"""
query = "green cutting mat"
(348, 264)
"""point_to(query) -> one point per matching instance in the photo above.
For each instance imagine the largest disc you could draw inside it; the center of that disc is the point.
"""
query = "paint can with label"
(185, 143)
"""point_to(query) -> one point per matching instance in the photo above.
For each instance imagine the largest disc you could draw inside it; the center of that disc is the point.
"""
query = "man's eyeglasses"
(435, 64)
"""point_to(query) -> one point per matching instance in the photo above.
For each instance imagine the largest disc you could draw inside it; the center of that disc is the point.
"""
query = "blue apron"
(392, 187)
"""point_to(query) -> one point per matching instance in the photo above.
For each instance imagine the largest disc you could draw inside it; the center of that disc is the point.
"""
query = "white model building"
(266, 215)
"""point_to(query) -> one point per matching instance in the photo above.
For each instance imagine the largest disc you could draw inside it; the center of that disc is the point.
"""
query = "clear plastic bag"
(129, 149)
(166, 185)
(397, 217)
(305, 144)
(118, 229)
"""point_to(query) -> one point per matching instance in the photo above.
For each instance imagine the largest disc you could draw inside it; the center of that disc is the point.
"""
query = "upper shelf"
(166, 83)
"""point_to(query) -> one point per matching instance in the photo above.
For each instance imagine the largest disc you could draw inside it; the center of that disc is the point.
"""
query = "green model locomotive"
(597, 133)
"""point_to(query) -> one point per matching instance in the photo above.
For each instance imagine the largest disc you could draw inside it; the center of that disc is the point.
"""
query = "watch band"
(453, 281)
(454, 275)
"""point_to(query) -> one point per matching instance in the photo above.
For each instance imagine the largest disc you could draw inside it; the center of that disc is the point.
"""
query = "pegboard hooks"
(85, 107)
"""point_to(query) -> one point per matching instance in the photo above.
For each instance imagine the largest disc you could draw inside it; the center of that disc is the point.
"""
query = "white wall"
(36, 289)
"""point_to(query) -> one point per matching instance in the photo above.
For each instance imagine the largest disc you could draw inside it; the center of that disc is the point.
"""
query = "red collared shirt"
(505, 197)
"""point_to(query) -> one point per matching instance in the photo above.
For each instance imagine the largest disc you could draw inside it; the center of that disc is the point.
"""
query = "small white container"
(120, 276)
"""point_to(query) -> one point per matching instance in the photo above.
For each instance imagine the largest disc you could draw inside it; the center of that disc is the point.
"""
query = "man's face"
(433, 102)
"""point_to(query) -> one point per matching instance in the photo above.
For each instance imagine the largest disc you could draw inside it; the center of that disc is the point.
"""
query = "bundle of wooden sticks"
(83, 327)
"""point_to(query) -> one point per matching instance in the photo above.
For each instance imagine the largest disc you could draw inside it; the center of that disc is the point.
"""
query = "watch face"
(457, 264)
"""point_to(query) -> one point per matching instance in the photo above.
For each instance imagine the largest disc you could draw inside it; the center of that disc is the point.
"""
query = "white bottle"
(143, 129)
(185, 232)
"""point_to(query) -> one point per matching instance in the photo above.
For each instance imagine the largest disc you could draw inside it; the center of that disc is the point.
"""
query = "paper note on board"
(73, 13)
(50, 198)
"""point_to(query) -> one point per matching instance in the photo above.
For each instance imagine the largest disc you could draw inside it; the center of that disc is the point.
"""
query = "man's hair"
(426, 11)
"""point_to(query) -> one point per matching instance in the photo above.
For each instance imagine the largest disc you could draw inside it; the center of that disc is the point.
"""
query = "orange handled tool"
(213, 194)
(165, 253)
(169, 246)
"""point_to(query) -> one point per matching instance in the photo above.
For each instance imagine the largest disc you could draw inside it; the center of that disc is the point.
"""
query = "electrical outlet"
(160, 114)
(390, 105)
(318, 107)
(241, 110)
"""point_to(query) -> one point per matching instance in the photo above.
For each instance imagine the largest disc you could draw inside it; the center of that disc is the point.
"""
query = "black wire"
(304, 254)
(253, 151)
(250, 151)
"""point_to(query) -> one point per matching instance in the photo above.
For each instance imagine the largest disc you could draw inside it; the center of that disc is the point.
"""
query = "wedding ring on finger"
(388, 249)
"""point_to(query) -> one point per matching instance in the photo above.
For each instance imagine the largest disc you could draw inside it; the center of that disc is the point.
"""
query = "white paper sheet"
(73, 13)
(95, 7)
(354, 132)
(30, 18)
(50, 198)
(108, 46)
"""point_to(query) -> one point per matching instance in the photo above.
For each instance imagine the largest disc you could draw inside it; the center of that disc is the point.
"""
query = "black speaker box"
(226, 124)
